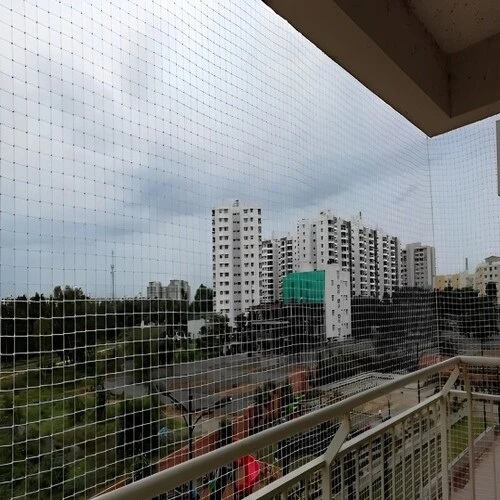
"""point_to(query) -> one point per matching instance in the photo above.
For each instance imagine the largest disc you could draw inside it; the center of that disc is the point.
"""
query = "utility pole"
(187, 414)
(113, 275)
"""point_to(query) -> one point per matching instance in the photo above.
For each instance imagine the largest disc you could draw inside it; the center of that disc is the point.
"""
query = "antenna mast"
(113, 274)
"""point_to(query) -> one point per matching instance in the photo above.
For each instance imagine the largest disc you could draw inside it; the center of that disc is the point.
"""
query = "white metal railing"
(410, 455)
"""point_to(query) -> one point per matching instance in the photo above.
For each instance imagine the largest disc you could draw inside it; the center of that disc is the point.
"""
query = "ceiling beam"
(384, 46)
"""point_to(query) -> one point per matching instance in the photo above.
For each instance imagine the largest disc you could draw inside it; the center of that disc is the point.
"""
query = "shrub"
(7, 384)
(7, 410)
(76, 408)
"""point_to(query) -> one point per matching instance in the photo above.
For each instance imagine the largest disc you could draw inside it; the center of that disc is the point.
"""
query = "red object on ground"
(252, 470)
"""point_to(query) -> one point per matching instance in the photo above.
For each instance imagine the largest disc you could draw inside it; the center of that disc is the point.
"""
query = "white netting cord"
(207, 228)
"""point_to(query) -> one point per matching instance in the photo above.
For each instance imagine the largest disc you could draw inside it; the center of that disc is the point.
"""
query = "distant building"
(375, 257)
(456, 281)
(419, 266)
(337, 302)
(371, 256)
(154, 290)
(236, 252)
(286, 327)
(488, 272)
(269, 272)
(404, 268)
(330, 287)
(177, 290)
(322, 241)
(276, 262)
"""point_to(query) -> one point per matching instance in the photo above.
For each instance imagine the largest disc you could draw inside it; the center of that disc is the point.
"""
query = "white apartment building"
(389, 263)
(236, 251)
(371, 256)
(285, 261)
(488, 272)
(269, 272)
(337, 302)
(154, 290)
(275, 263)
(364, 276)
(322, 241)
(420, 265)
(404, 267)
(177, 290)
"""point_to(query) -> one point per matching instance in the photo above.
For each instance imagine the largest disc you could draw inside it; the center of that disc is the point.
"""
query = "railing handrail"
(169, 479)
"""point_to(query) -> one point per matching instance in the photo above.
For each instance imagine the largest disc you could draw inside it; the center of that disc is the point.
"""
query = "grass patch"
(458, 436)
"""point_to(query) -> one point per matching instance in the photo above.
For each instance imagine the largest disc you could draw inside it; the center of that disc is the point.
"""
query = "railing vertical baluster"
(370, 469)
(444, 447)
(492, 412)
(342, 476)
(432, 440)
(450, 469)
(306, 488)
(382, 456)
(413, 488)
(326, 481)
(470, 432)
(421, 464)
(393, 458)
(357, 474)
(330, 455)
(403, 459)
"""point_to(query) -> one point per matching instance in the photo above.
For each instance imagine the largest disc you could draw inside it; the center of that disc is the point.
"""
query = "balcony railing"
(441, 447)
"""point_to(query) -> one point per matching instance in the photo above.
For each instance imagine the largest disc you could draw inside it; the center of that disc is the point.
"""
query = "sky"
(123, 124)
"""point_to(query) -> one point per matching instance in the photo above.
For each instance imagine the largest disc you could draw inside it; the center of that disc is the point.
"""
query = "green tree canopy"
(203, 300)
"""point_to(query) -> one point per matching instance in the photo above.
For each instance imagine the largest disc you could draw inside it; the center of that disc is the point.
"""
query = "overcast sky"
(132, 121)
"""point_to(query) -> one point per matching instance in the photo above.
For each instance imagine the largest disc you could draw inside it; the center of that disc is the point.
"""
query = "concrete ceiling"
(437, 62)
(458, 24)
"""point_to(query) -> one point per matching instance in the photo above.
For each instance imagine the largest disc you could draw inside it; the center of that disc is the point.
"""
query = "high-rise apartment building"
(389, 263)
(276, 262)
(236, 250)
(364, 265)
(177, 290)
(337, 302)
(322, 241)
(419, 265)
(269, 272)
(370, 256)
(404, 266)
(285, 261)
(328, 287)
(154, 290)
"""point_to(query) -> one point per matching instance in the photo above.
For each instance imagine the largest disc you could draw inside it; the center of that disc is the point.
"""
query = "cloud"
(132, 123)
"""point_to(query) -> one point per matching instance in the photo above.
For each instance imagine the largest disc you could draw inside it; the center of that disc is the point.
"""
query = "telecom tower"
(113, 274)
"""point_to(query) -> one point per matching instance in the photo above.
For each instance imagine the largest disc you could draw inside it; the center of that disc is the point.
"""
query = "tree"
(240, 321)
(147, 352)
(491, 289)
(214, 335)
(76, 410)
(203, 300)
(139, 426)
(100, 402)
(51, 472)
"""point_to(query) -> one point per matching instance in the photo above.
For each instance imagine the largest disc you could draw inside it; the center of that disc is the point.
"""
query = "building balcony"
(435, 437)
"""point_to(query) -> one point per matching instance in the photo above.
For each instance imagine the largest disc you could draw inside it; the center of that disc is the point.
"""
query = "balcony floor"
(487, 476)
